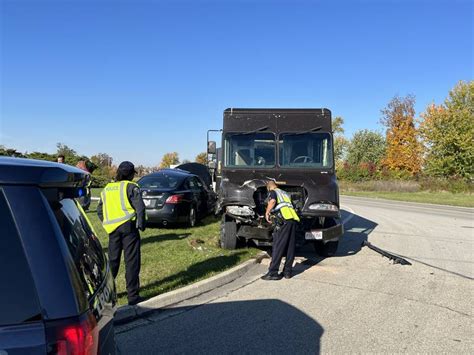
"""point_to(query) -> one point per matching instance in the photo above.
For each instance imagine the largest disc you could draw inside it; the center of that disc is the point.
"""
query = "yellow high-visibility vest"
(115, 205)
(285, 206)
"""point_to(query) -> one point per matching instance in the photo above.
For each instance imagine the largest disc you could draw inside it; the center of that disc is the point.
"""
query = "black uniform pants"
(284, 239)
(126, 238)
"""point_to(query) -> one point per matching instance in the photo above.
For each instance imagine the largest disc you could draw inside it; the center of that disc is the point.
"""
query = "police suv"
(57, 292)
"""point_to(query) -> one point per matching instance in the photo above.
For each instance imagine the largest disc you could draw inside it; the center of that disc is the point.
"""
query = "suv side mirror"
(211, 147)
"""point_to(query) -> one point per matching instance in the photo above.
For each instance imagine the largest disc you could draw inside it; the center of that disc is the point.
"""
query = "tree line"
(437, 144)
(101, 165)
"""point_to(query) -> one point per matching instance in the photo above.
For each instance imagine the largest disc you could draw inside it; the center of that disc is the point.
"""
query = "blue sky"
(137, 79)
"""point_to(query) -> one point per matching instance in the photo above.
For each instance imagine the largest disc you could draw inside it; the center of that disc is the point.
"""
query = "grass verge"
(175, 257)
(439, 198)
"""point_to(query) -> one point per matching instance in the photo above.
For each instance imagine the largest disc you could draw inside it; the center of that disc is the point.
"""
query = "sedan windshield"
(250, 150)
(311, 150)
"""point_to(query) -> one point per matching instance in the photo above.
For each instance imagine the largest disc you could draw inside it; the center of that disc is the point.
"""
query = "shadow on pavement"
(356, 232)
(260, 326)
(191, 274)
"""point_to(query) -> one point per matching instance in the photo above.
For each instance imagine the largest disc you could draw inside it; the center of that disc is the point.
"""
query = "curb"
(127, 313)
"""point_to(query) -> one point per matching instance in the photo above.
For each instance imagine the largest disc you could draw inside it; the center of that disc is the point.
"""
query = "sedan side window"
(192, 184)
(198, 183)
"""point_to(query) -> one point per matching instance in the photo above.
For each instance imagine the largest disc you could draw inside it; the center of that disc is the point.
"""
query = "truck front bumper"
(330, 234)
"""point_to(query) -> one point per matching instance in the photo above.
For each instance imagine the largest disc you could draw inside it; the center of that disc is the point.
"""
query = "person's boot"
(271, 277)
(136, 301)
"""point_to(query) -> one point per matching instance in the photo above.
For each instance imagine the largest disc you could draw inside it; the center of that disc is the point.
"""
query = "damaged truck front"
(294, 148)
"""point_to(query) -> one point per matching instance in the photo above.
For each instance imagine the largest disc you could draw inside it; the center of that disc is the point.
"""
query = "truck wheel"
(326, 249)
(228, 233)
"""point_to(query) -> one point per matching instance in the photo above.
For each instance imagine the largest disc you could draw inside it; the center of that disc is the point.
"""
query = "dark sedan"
(176, 196)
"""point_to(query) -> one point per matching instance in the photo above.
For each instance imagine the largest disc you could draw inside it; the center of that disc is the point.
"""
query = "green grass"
(175, 257)
(95, 191)
(439, 198)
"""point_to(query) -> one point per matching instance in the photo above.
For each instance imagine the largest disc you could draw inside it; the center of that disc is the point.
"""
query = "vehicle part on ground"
(395, 258)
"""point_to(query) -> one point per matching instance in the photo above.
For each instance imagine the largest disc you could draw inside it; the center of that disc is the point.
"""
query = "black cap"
(126, 168)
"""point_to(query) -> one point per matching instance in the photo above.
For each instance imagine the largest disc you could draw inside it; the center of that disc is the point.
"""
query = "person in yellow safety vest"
(122, 212)
(284, 236)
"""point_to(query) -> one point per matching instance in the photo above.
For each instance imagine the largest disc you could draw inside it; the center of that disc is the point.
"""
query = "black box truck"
(294, 147)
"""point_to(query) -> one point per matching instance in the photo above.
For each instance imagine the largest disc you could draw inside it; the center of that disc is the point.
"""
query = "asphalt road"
(357, 301)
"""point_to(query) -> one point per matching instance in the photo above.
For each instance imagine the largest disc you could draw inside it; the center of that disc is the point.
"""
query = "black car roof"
(19, 171)
(175, 172)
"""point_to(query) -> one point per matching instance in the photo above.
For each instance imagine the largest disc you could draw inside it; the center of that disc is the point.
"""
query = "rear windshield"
(82, 242)
(162, 181)
(18, 299)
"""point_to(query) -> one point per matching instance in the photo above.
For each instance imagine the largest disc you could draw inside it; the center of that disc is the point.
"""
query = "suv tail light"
(173, 199)
(75, 338)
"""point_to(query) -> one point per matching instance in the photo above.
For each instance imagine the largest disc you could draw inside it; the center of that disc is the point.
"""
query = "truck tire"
(326, 249)
(228, 233)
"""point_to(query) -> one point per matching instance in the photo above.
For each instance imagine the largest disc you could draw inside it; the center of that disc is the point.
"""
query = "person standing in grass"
(122, 213)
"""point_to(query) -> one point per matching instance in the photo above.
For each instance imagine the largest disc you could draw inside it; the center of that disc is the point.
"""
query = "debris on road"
(396, 259)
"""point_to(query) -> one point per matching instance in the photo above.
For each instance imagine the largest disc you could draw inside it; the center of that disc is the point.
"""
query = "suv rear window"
(82, 242)
(18, 299)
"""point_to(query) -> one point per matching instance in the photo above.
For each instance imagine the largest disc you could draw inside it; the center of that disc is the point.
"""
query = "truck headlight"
(240, 210)
(323, 207)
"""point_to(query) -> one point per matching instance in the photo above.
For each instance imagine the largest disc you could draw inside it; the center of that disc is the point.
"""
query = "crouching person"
(122, 213)
(284, 234)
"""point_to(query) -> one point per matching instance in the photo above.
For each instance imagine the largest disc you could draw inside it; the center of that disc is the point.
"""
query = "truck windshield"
(308, 150)
(250, 150)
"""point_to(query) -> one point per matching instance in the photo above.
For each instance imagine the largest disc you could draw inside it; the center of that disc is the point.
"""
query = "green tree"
(201, 158)
(70, 155)
(169, 159)
(41, 156)
(366, 147)
(447, 132)
(404, 151)
(102, 160)
(340, 142)
(337, 125)
(10, 152)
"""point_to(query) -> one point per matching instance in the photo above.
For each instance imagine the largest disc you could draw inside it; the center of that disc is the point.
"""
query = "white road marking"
(349, 217)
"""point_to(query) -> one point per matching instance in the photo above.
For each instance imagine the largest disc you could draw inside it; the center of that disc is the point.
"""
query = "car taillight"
(174, 199)
(79, 338)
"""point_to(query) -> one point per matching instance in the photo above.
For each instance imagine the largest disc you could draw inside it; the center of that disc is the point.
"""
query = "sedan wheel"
(192, 217)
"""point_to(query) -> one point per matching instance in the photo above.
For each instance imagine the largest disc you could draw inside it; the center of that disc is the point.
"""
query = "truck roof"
(19, 171)
(277, 119)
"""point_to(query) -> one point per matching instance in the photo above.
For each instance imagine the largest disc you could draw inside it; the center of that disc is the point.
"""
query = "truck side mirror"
(211, 147)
